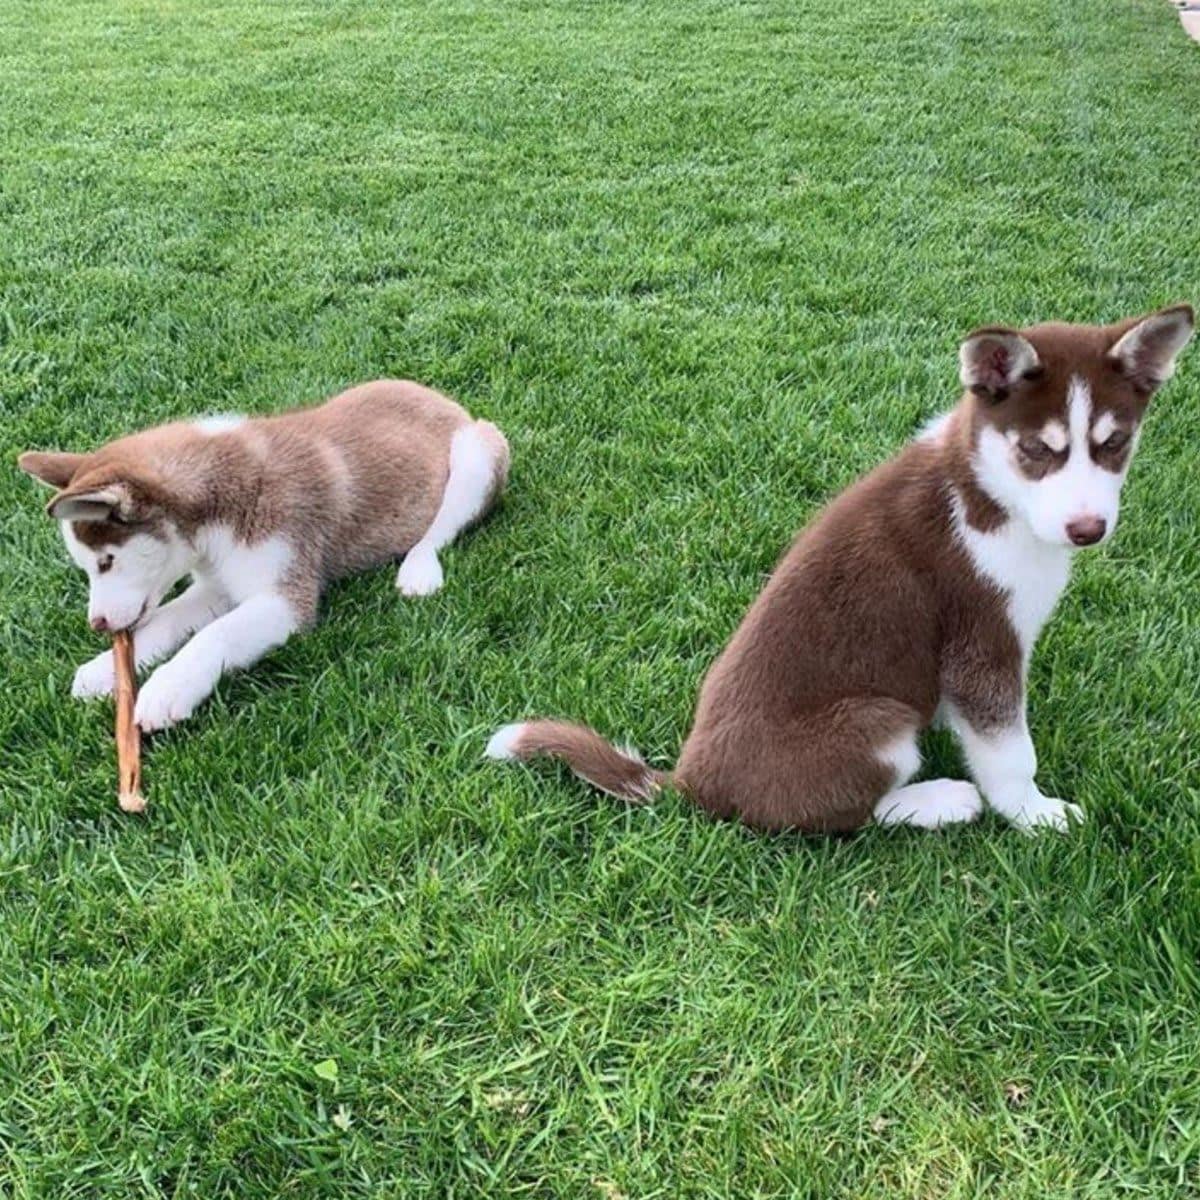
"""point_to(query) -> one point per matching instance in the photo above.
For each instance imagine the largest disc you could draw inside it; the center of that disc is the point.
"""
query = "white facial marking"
(128, 580)
(1055, 436)
(219, 423)
(1079, 493)
(1103, 428)
(1079, 411)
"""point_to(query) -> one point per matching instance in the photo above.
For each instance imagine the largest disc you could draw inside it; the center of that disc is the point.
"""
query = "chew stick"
(129, 737)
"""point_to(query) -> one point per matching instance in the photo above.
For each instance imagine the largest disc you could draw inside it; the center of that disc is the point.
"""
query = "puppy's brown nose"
(99, 624)
(1086, 531)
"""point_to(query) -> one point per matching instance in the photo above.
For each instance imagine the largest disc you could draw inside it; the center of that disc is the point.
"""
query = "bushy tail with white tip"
(620, 773)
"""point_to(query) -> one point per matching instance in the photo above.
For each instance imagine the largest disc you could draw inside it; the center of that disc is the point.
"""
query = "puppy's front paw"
(420, 574)
(1045, 812)
(170, 696)
(94, 678)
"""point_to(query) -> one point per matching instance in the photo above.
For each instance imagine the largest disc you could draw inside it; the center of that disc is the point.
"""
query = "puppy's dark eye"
(1035, 448)
(104, 564)
(1115, 440)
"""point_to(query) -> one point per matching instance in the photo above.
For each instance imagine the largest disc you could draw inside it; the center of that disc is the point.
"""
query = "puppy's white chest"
(241, 570)
(1031, 574)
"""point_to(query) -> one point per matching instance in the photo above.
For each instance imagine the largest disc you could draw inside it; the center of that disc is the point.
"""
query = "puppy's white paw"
(931, 805)
(94, 678)
(1046, 812)
(171, 695)
(420, 573)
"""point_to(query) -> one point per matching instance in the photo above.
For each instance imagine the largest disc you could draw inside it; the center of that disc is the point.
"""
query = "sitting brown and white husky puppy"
(918, 591)
(262, 513)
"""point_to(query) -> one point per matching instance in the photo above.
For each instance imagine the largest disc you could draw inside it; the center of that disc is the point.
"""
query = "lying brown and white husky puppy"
(262, 513)
(919, 591)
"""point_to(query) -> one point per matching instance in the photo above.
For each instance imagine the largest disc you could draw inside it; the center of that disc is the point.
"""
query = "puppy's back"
(361, 476)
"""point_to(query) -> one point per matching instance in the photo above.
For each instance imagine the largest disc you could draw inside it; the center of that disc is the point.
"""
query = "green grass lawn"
(704, 263)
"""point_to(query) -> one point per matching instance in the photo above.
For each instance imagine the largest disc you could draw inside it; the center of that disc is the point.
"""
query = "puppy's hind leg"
(929, 805)
(478, 470)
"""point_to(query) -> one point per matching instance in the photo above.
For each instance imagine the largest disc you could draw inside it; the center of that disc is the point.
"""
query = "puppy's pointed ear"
(993, 359)
(1146, 348)
(50, 466)
(109, 502)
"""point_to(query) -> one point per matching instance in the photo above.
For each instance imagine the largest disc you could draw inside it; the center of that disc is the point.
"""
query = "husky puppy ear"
(51, 467)
(90, 502)
(993, 359)
(1146, 349)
